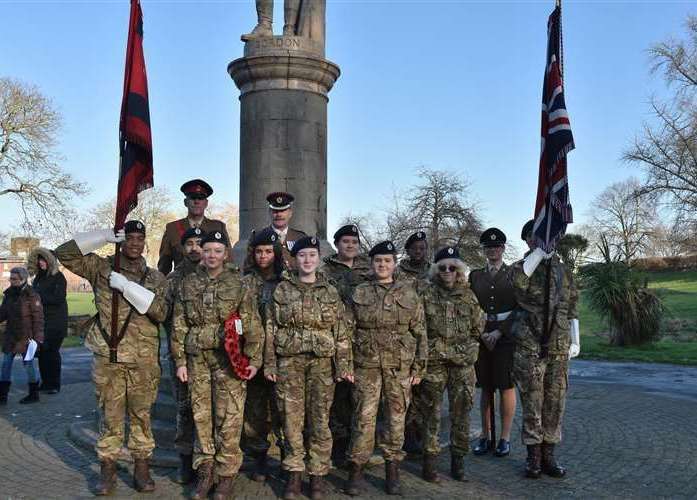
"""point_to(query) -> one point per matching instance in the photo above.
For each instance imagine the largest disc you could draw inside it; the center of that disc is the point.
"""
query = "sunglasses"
(450, 269)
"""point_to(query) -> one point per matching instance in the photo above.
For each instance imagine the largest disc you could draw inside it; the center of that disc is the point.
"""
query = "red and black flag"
(553, 207)
(135, 172)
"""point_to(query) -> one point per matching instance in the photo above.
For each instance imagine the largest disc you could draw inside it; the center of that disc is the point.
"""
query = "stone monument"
(284, 82)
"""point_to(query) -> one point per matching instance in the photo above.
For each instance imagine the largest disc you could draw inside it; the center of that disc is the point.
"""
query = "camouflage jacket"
(174, 280)
(201, 308)
(307, 318)
(345, 278)
(262, 289)
(528, 325)
(390, 329)
(408, 269)
(454, 322)
(141, 342)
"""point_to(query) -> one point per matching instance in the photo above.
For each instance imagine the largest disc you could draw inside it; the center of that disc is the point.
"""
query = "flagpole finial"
(558, 3)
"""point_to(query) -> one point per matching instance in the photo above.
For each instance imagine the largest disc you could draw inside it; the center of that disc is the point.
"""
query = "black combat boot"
(185, 473)
(260, 469)
(457, 467)
(33, 396)
(392, 485)
(4, 390)
(204, 481)
(106, 484)
(533, 464)
(293, 485)
(549, 463)
(355, 479)
(142, 481)
(317, 489)
(428, 472)
(223, 490)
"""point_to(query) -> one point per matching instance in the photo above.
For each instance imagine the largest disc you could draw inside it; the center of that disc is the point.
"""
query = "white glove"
(138, 296)
(90, 241)
(533, 260)
(574, 333)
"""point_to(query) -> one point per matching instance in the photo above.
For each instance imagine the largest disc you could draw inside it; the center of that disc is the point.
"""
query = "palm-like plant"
(614, 291)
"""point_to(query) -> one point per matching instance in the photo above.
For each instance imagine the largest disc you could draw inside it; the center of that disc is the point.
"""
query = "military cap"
(134, 226)
(304, 242)
(347, 230)
(417, 236)
(447, 253)
(215, 237)
(267, 236)
(192, 232)
(527, 229)
(280, 200)
(492, 237)
(383, 248)
(197, 188)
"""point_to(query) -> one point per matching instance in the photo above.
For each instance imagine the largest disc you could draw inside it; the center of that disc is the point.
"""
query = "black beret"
(197, 188)
(304, 242)
(347, 230)
(280, 200)
(492, 237)
(447, 253)
(417, 236)
(215, 237)
(134, 226)
(267, 236)
(383, 248)
(192, 232)
(527, 229)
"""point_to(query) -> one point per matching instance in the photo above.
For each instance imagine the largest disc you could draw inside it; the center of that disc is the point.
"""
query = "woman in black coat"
(50, 284)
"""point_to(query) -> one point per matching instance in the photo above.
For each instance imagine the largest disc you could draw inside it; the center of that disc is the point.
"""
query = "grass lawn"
(80, 303)
(679, 293)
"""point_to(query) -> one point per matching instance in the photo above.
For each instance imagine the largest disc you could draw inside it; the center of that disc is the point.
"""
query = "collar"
(280, 232)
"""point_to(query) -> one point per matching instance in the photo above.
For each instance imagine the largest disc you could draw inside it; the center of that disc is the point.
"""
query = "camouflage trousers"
(459, 381)
(261, 417)
(217, 401)
(542, 384)
(305, 390)
(125, 389)
(184, 438)
(394, 386)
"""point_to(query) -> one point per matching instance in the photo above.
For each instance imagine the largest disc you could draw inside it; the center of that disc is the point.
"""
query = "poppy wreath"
(239, 361)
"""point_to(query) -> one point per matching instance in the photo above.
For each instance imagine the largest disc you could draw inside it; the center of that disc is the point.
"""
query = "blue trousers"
(29, 367)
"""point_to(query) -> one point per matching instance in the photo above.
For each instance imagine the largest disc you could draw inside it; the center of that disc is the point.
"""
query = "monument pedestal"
(284, 82)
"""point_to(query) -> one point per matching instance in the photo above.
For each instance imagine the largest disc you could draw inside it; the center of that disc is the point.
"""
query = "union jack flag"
(553, 208)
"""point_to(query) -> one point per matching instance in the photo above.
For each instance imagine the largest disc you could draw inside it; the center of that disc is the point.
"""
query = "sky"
(449, 85)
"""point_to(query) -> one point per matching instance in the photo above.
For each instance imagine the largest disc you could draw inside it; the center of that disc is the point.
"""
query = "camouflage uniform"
(184, 438)
(217, 395)
(389, 348)
(261, 414)
(542, 382)
(407, 269)
(345, 279)
(305, 333)
(130, 384)
(453, 323)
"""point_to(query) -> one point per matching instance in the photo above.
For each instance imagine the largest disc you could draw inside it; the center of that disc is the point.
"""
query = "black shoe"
(503, 448)
(482, 447)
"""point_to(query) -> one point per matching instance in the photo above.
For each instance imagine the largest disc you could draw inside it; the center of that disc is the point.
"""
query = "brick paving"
(619, 441)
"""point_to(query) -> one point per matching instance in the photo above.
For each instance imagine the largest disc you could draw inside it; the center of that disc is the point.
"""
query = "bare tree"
(667, 149)
(624, 218)
(229, 213)
(29, 170)
(154, 210)
(439, 204)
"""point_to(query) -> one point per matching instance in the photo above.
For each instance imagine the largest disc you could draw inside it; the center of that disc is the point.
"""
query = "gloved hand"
(574, 333)
(118, 281)
(138, 296)
(533, 260)
(90, 241)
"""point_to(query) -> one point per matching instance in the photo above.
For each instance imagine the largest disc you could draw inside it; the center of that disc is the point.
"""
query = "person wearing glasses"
(494, 366)
(453, 325)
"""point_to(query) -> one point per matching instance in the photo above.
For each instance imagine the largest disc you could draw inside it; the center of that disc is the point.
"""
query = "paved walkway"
(629, 432)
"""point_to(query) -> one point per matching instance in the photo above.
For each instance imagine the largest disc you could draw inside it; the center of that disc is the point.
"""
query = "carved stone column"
(284, 82)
